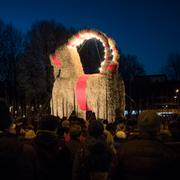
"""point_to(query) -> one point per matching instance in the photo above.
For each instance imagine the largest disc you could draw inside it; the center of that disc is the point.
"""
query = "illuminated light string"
(110, 50)
(114, 49)
(109, 64)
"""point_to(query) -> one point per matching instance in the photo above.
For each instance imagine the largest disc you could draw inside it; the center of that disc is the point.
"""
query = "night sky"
(149, 29)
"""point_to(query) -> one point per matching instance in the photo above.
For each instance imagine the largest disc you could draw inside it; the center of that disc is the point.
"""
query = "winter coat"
(17, 159)
(143, 159)
(93, 160)
(53, 157)
(73, 146)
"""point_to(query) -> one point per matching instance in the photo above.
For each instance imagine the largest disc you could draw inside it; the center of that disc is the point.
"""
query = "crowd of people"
(51, 148)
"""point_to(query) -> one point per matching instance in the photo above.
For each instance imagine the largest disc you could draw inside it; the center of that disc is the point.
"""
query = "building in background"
(153, 92)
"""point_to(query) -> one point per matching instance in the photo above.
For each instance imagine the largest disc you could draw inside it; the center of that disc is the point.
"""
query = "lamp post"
(176, 97)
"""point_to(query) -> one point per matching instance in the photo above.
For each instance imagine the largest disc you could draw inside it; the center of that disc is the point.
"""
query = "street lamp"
(176, 97)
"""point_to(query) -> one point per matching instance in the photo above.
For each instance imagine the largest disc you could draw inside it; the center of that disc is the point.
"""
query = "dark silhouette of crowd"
(95, 149)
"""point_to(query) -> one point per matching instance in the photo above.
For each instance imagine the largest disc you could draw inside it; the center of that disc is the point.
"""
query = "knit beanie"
(95, 128)
(48, 122)
(149, 121)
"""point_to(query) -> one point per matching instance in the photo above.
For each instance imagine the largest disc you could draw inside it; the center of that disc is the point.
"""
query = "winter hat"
(121, 135)
(65, 124)
(95, 128)
(48, 122)
(148, 121)
(30, 134)
(5, 116)
(75, 130)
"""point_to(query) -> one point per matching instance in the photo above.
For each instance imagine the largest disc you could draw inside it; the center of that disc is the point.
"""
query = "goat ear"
(55, 61)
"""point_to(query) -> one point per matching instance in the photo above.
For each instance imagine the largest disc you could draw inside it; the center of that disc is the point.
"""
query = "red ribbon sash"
(81, 92)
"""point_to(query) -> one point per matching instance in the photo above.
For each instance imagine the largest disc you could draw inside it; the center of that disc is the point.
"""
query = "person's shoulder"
(9, 139)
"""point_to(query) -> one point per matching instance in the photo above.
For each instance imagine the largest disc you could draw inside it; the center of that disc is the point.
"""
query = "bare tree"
(172, 66)
(11, 48)
(2, 66)
(130, 67)
(35, 72)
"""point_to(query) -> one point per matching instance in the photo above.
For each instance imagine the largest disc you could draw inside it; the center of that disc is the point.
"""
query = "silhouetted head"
(95, 128)
(75, 130)
(48, 122)
(149, 121)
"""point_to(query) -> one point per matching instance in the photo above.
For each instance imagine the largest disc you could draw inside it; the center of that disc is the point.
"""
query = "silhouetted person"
(145, 157)
(17, 160)
(53, 155)
(74, 143)
(93, 160)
